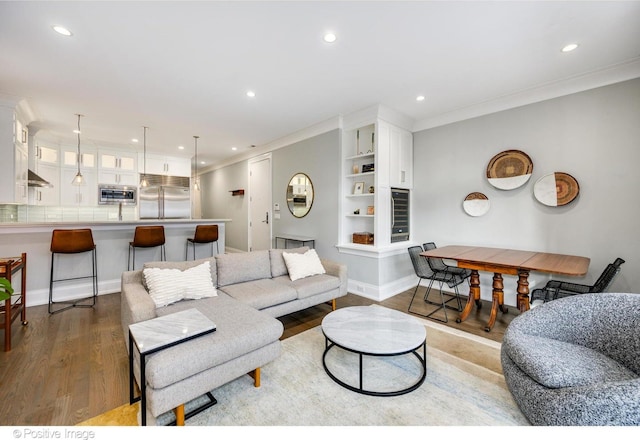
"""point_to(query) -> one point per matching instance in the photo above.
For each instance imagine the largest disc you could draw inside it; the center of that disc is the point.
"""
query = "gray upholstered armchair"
(576, 360)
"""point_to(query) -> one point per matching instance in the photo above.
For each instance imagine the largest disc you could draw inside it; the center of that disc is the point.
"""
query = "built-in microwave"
(116, 194)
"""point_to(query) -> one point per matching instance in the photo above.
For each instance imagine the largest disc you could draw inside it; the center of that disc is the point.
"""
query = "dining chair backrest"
(437, 264)
(420, 263)
(607, 276)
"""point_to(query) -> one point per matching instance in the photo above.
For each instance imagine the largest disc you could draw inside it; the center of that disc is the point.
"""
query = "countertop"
(9, 228)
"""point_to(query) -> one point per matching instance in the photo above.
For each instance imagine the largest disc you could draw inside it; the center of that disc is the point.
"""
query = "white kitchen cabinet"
(117, 160)
(114, 177)
(21, 174)
(69, 158)
(78, 195)
(165, 165)
(13, 179)
(47, 196)
(47, 155)
(117, 168)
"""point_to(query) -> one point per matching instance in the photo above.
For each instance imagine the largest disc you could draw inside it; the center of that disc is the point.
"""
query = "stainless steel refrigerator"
(166, 197)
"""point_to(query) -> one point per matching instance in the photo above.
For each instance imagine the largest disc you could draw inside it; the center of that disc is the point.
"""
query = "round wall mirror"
(300, 195)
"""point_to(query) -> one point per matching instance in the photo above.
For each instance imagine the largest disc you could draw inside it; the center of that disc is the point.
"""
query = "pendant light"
(78, 179)
(144, 182)
(196, 183)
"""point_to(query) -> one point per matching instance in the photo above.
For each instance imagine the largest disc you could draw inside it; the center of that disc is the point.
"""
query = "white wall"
(318, 157)
(592, 135)
(216, 200)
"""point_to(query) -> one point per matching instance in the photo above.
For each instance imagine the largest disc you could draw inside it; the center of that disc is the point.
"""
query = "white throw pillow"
(303, 265)
(167, 286)
(198, 283)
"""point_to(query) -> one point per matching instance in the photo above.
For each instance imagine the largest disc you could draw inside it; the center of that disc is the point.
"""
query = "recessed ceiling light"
(420, 98)
(134, 140)
(251, 94)
(76, 131)
(570, 47)
(180, 147)
(233, 148)
(329, 37)
(62, 30)
(202, 162)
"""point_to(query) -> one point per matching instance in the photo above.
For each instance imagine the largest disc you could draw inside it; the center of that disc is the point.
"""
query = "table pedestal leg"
(474, 296)
(497, 301)
(523, 291)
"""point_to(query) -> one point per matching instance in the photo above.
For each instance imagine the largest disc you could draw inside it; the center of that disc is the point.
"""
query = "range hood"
(35, 180)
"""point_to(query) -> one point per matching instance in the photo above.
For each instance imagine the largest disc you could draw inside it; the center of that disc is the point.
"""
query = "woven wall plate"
(509, 169)
(556, 189)
(476, 204)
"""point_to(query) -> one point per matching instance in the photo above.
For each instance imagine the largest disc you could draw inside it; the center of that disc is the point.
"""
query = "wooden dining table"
(506, 262)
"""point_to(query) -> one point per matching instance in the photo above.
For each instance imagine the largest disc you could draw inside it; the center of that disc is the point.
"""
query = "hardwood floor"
(71, 366)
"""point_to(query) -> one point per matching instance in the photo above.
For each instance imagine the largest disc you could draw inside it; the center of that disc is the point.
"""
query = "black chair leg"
(51, 284)
(413, 297)
(76, 302)
(441, 305)
(426, 300)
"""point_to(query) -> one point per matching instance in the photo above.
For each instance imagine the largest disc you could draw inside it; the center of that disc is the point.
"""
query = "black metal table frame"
(143, 380)
(329, 344)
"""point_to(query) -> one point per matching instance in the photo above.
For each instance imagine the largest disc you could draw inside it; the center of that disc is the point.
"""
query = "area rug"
(463, 387)
(296, 391)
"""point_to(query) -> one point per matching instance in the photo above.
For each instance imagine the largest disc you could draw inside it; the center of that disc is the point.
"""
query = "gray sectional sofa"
(253, 289)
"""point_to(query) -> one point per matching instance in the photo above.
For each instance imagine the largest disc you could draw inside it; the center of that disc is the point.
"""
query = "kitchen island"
(112, 247)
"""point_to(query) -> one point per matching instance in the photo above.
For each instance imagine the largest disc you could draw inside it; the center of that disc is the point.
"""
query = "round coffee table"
(374, 331)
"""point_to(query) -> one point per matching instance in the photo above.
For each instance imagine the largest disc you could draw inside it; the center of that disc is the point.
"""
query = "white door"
(260, 204)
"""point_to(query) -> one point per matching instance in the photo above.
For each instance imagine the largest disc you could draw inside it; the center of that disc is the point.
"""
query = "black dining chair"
(424, 272)
(555, 289)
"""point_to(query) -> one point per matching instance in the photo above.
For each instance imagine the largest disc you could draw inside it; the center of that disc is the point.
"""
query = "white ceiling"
(183, 68)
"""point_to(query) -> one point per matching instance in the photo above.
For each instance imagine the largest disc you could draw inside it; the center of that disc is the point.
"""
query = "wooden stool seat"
(73, 241)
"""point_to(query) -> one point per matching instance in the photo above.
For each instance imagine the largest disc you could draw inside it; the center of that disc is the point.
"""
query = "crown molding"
(603, 77)
(306, 133)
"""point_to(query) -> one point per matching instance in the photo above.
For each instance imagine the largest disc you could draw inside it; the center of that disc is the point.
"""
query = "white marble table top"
(374, 330)
(164, 330)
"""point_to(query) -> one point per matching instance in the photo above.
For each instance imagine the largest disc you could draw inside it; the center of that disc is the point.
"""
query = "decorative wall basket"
(509, 170)
(476, 204)
(556, 189)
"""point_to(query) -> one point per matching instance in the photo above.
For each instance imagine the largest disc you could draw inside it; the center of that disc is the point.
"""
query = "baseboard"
(39, 297)
(380, 293)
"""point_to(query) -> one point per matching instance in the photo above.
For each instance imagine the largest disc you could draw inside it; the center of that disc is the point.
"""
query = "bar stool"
(146, 237)
(73, 241)
(204, 234)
